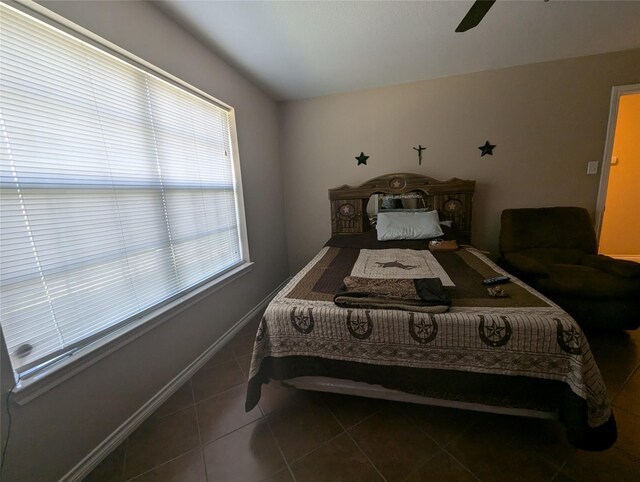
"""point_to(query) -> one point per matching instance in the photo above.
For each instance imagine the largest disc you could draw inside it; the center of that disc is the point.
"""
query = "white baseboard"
(88, 463)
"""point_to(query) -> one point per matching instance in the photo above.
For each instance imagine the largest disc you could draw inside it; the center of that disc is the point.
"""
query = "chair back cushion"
(556, 227)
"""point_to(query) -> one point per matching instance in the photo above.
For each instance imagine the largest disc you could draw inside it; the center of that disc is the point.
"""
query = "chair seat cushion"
(578, 281)
(548, 256)
(617, 267)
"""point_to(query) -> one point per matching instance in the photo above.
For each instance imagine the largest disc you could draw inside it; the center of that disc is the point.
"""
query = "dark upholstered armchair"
(555, 251)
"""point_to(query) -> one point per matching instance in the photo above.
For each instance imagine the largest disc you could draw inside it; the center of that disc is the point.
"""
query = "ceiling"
(296, 50)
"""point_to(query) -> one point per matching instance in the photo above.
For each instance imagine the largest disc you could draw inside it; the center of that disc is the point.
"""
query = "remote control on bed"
(495, 281)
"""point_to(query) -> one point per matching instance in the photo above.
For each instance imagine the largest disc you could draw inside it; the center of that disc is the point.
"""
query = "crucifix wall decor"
(419, 149)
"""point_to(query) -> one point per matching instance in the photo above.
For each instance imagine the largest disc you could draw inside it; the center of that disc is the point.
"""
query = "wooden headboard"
(452, 199)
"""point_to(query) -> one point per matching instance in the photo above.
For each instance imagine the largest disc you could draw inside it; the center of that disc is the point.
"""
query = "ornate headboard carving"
(452, 199)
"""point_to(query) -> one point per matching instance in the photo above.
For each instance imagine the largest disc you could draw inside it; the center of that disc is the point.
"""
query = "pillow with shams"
(417, 210)
(408, 225)
(447, 222)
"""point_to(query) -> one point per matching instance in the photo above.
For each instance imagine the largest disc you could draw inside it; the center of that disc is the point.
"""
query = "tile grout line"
(444, 446)
(558, 471)
(428, 459)
(200, 444)
(208, 442)
(261, 417)
(361, 421)
(297, 459)
(286, 463)
(624, 384)
(440, 446)
(625, 450)
(160, 417)
(199, 447)
(124, 459)
(346, 431)
(160, 465)
(461, 464)
(192, 404)
(629, 412)
(234, 358)
(264, 417)
(633, 457)
(366, 456)
(196, 402)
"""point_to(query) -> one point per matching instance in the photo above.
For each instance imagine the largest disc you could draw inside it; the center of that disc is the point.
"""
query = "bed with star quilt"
(520, 351)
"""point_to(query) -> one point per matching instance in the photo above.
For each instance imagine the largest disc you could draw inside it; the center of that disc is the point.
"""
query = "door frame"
(616, 92)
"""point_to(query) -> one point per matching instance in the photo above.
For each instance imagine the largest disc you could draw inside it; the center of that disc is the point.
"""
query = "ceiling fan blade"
(475, 14)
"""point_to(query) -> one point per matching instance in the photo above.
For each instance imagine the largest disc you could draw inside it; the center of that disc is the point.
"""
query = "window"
(120, 191)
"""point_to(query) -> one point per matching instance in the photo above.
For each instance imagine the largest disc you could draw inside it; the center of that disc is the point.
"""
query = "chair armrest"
(526, 265)
(618, 267)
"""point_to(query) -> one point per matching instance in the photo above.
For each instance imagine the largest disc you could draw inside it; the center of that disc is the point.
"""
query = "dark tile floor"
(202, 433)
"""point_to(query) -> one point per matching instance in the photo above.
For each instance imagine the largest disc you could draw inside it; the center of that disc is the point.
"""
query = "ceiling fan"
(475, 14)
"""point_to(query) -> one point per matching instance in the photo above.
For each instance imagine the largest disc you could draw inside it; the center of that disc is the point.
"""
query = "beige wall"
(547, 120)
(55, 431)
(620, 234)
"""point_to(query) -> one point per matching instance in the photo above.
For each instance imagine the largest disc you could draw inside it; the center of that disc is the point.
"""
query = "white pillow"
(412, 225)
(402, 210)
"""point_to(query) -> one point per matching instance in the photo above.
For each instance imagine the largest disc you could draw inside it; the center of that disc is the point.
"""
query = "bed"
(520, 354)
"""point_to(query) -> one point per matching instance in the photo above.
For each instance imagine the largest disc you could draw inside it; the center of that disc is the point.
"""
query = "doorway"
(617, 219)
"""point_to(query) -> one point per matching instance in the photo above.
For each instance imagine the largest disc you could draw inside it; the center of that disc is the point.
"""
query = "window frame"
(65, 366)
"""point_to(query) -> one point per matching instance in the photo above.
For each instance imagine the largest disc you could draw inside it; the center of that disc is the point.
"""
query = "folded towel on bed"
(423, 294)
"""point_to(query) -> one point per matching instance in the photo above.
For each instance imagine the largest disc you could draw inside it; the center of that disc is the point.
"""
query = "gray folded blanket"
(424, 295)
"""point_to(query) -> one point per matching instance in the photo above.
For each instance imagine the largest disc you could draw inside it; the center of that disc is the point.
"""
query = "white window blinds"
(118, 191)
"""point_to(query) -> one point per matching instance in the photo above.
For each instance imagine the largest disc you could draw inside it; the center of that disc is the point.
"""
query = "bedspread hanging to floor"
(522, 351)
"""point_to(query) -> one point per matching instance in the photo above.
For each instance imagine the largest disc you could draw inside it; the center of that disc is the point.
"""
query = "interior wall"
(55, 431)
(620, 233)
(547, 121)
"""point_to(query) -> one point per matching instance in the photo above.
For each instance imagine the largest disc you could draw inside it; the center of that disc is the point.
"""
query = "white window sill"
(30, 388)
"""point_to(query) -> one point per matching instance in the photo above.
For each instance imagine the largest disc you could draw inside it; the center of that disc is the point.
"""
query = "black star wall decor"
(487, 149)
(362, 159)
(419, 149)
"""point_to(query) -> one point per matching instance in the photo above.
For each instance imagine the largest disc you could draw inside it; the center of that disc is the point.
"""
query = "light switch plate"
(614, 160)
(592, 167)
